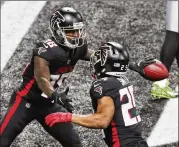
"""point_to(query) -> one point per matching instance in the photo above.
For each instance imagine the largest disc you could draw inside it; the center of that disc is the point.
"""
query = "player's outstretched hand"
(139, 66)
(58, 117)
(62, 99)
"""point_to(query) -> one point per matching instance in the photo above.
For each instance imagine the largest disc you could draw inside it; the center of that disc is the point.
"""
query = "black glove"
(139, 67)
(62, 99)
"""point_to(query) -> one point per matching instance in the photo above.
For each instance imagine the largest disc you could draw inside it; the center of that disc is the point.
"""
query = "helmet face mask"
(67, 27)
(72, 37)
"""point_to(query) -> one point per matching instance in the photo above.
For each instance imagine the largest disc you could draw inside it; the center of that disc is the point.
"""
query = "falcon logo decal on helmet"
(56, 18)
(109, 59)
(104, 54)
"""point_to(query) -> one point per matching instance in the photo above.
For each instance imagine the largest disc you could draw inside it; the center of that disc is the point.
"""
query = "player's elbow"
(103, 124)
(103, 121)
(39, 80)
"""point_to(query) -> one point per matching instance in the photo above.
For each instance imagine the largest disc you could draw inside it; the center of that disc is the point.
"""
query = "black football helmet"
(111, 59)
(67, 21)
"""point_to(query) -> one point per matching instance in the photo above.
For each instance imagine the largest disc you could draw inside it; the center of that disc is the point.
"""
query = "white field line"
(166, 129)
(16, 18)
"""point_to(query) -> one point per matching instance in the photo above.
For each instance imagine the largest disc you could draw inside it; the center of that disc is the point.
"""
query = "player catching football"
(112, 99)
(38, 95)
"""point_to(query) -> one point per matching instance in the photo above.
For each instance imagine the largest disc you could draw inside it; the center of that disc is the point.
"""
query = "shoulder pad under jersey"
(47, 50)
(105, 87)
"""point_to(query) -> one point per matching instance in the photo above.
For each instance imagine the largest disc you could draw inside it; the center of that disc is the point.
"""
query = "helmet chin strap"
(69, 44)
(66, 43)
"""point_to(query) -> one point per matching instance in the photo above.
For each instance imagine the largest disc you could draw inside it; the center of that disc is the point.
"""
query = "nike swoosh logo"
(97, 84)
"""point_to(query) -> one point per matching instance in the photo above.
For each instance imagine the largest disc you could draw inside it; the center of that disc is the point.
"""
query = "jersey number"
(50, 43)
(56, 81)
(128, 104)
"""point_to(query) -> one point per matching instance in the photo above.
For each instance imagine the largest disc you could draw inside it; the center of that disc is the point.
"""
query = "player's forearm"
(91, 121)
(45, 86)
(133, 66)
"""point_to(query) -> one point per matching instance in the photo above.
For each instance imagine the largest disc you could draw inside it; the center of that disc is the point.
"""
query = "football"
(156, 71)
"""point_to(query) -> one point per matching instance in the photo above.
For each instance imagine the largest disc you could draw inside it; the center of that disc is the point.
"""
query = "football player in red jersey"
(112, 99)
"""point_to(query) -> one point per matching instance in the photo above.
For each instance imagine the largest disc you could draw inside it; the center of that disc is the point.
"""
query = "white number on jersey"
(128, 121)
(56, 79)
(50, 43)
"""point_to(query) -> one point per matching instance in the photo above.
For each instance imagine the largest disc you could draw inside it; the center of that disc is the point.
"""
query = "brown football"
(156, 71)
